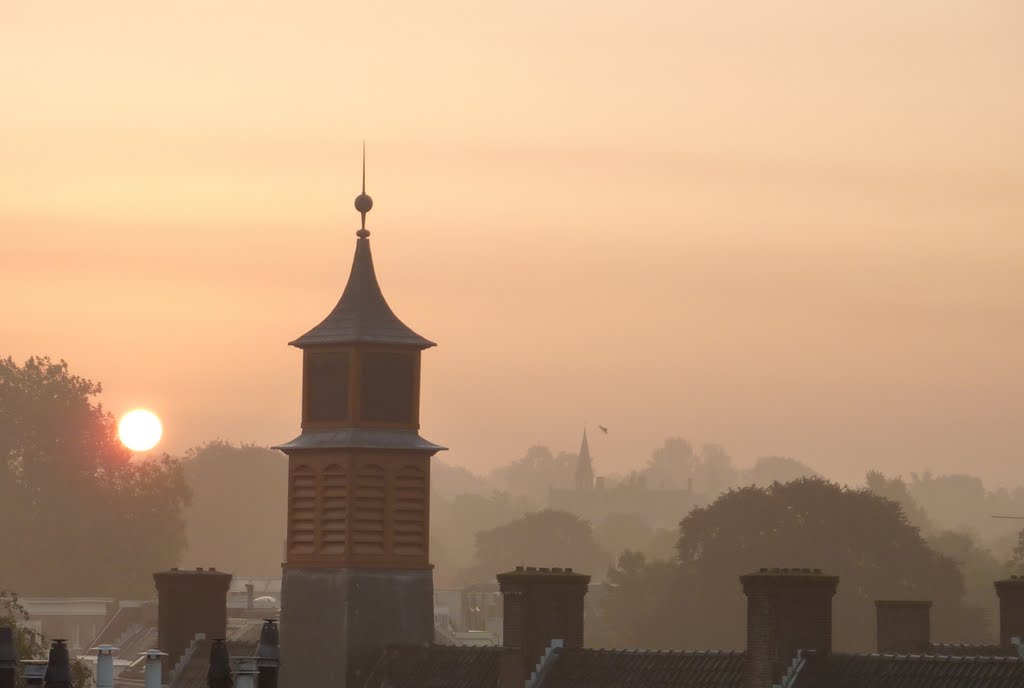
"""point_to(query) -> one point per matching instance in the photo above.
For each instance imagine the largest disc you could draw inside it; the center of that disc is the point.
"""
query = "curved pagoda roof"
(362, 314)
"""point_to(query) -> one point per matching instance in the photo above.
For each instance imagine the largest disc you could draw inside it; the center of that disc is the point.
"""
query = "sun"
(140, 430)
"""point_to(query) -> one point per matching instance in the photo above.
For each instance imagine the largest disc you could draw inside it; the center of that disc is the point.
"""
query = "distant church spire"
(584, 466)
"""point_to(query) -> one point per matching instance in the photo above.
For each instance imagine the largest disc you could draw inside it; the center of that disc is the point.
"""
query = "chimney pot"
(105, 666)
(154, 668)
(219, 673)
(58, 668)
(268, 654)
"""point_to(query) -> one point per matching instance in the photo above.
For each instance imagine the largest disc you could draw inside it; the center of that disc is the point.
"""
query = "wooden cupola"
(359, 473)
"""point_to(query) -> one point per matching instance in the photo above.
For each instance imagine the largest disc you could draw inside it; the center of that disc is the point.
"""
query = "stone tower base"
(336, 622)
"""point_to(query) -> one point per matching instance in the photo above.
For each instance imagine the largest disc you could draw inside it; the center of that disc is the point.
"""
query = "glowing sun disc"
(140, 430)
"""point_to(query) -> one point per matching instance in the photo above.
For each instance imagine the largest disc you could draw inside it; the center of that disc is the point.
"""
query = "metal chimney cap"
(104, 649)
(268, 648)
(153, 654)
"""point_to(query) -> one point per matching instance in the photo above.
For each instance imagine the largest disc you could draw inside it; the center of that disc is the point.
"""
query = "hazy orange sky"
(789, 227)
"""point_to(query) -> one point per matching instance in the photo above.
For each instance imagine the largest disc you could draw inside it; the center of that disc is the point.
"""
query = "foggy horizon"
(791, 232)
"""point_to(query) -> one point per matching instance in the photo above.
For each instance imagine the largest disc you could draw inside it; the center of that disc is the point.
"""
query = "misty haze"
(671, 345)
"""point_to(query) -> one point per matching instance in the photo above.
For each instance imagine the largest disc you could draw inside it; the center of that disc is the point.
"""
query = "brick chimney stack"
(1011, 609)
(903, 626)
(190, 602)
(541, 605)
(787, 610)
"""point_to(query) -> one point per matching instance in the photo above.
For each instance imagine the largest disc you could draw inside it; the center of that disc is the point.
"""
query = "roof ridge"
(665, 651)
(932, 657)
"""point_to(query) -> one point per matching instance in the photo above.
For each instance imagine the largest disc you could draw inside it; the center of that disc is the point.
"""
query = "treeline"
(79, 517)
(677, 464)
(70, 492)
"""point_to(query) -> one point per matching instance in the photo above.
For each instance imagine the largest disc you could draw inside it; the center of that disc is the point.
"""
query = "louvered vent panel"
(334, 510)
(410, 517)
(368, 503)
(302, 511)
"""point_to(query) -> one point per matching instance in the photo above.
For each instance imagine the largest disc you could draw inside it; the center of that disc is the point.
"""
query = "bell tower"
(357, 575)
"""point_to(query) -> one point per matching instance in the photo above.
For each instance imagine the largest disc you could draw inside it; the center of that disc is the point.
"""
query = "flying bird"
(602, 429)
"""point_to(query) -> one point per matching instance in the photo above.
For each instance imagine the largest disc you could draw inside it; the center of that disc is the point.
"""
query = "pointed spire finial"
(363, 202)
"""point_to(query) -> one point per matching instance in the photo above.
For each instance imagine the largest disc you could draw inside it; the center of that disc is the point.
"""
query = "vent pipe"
(154, 668)
(105, 666)
(268, 654)
(8, 657)
(219, 674)
(58, 668)
(246, 669)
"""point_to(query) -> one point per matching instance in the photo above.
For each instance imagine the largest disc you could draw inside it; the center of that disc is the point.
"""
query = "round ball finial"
(364, 203)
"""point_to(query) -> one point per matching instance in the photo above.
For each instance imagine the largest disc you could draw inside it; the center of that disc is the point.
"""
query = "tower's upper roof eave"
(360, 438)
(362, 315)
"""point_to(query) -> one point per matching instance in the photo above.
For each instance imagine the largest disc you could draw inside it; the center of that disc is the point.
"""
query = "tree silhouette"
(82, 517)
(854, 533)
(1017, 562)
(30, 644)
(540, 538)
(782, 469)
(236, 520)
